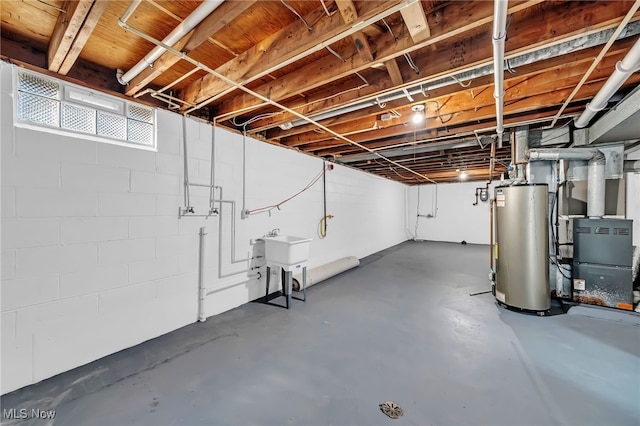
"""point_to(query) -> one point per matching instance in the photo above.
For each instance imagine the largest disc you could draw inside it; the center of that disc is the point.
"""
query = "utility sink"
(286, 249)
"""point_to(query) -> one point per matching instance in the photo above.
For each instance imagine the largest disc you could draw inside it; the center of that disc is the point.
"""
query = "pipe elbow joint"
(598, 158)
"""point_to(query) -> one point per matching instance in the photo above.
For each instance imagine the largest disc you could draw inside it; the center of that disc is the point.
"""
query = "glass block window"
(47, 103)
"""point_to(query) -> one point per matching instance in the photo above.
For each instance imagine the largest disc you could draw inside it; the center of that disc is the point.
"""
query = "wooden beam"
(65, 31)
(394, 72)
(220, 18)
(481, 101)
(350, 14)
(277, 50)
(464, 54)
(583, 56)
(416, 22)
(97, 9)
(465, 16)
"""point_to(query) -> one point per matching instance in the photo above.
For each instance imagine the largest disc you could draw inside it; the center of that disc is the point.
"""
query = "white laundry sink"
(286, 249)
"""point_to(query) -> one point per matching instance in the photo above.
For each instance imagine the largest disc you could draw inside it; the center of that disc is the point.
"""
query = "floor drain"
(391, 409)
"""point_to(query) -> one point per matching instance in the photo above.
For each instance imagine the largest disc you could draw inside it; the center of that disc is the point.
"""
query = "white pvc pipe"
(623, 71)
(190, 22)
(499, 36)
(595, 173)
(327, 271)
(202, 291)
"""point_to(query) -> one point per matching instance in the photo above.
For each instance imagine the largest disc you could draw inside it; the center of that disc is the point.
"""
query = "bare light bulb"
(417, 118)
(463, 176)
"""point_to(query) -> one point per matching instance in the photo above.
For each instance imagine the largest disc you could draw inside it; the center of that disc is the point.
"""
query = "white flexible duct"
(321, 273)
(499, 36)
(190, 22)
(595, 179)
(624, 69)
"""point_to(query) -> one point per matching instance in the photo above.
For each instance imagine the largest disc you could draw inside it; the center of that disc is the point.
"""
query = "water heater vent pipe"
(596, 177)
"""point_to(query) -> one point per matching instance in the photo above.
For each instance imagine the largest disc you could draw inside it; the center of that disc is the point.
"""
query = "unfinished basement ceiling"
(360, 81)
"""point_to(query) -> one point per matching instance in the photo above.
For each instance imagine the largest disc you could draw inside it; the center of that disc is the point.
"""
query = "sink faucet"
(274, 232)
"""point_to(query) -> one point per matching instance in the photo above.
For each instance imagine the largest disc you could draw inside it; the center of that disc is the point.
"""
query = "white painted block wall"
(456, 218)
(95, 259)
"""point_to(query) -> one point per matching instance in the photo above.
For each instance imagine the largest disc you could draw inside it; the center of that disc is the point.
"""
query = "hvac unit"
(602, 260)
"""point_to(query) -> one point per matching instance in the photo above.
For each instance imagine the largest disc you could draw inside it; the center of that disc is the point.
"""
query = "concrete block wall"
(95, 258)
(457, 219)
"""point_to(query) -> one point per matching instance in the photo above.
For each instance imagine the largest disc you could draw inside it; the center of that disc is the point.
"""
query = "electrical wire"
(324, 6)
(277, 205)
(336, 54)
(389, 28)
(295, 12)
(453, 77)
(412, 64)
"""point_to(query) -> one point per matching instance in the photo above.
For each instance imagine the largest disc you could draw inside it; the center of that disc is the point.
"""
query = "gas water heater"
(522, 246)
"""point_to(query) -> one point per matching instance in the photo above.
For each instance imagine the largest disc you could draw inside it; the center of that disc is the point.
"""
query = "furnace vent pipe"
(499, 36)
(595, 180)
(321, 273)
(632, 166)
(190, 22)
(624, 69)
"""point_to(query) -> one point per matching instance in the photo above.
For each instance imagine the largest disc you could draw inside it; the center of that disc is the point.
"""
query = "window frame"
(63, 97)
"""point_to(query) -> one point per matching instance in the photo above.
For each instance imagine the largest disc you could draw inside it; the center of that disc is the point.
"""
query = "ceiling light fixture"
(463, 175)
(418, 113)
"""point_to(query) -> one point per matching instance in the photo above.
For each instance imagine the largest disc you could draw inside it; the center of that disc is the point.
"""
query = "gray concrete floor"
(401, 327)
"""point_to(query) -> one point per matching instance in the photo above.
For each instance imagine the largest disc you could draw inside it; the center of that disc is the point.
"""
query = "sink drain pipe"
(327, 271)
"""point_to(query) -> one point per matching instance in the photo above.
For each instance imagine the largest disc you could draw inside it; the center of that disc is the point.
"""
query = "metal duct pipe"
(624, 69)
(521, 145)
(595, 174)
(499, 36)
(632, 166)
(327, 271)
(190, 22)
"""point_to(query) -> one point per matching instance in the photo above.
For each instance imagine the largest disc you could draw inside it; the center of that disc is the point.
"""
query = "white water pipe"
(327, 271)
(202, 291)
(499, 36)
(624, 69)
(595, 173)
(190, 22)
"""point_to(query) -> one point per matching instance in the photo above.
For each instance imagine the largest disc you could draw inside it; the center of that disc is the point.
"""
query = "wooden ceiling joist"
(276, 51)
(350, 15)
(416, 22)
(221, 17)
(67, 28)
(387, 47)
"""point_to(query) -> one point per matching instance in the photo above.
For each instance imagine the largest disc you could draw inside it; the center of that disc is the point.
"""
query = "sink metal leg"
(288, 284)
(266, 297)
(304, 283)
